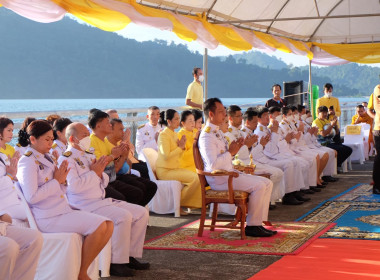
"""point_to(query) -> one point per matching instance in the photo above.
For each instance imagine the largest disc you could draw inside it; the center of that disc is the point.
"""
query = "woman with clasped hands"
(44, 188)
(170, 150)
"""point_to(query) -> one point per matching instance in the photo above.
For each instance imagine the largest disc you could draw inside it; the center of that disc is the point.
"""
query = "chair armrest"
(216, 173)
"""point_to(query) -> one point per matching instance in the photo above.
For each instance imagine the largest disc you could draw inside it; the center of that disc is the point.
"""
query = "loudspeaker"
(290, 93)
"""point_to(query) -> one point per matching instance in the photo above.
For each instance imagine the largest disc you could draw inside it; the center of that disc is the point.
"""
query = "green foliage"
(70, 60)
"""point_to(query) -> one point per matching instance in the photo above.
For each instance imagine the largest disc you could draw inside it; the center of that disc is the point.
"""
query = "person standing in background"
(328, 100)
(276, 101)
(376, 134)
(194, 96)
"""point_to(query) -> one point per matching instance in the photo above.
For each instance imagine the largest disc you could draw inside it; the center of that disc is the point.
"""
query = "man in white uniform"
(216, 155)
(250, 147)
(86, 183)
(147, 134)
(20, 248)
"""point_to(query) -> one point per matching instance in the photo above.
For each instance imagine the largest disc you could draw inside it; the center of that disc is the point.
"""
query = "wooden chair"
(239, 198)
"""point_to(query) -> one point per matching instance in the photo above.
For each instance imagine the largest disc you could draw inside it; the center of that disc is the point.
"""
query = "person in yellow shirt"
(328, 100)
(194, 95)
(189, 131)
(6, 135)
(326, 136)
(370, 109)
(170, 151)
(361, 116)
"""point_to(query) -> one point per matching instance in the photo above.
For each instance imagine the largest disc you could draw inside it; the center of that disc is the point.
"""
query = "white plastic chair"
(168, 196)
(356, 142)
(61, 252)
(366, 129)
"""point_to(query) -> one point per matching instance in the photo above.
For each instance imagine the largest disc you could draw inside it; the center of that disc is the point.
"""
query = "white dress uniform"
(46, 197)
(86, 192)
(145, 138)
(306, 158)
(312, 143)
(20, 251)
(273, 152)
(20, 149)
(215, 155)
(8, 195)
(58, 146)
(276, 174)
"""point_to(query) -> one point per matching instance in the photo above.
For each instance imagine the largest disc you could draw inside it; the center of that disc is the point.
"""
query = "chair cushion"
(224, 194)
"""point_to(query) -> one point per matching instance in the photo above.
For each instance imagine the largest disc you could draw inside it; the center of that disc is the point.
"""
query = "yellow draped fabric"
(359, 53)
(95, 14)
(272, 42)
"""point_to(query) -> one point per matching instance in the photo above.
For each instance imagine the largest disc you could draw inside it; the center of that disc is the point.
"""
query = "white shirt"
(145, 138)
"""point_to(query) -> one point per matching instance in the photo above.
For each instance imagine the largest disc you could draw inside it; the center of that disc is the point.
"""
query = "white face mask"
(85, 143)
(297, 117)
(279, 118)
(290, 118)
(304, 117)
(309, 120)
(328, 94)
(201, 78)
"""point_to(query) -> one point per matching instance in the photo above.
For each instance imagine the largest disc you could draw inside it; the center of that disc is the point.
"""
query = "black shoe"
(273, 232)
(329, 179)
(375, 191)
(299, 197)
(256, 231)
(309, 191)
(120, 269)
(135, 264)
(315, 189)
(272, 206)
(321, 186)
(325, 183)
(289, 199)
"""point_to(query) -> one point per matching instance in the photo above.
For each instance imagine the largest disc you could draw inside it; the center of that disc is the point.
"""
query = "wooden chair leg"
(202, 221)
(242, 221)
(214, 216)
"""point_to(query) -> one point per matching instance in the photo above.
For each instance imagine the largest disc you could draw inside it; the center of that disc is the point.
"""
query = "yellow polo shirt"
(9, 150)
(195, 93)
(320, 124)
(329, 101)
(370, 102)
(101, 147)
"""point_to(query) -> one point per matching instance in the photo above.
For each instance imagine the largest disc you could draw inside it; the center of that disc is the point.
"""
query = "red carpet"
(292, 238)
(335, 259)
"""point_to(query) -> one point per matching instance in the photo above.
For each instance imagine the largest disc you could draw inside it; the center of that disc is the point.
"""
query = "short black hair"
(4, 122)
(197, 114)
(60, 125)
(152, 108)
(274, 109)
(210, 105)
(322, 109)
(184, 115)
(114, 121)
(331, 107)
(360, 106)
(293, 108)
(248, 115)
(195, 70)
(285, 110)
(328, 86)
(276, 85)
(38, 128)
(232, 109)
(300, 108)
(261, 110)
(95, 117)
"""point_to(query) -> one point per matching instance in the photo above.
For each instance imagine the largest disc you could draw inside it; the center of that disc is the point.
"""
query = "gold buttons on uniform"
(46, 179)
(62, 196)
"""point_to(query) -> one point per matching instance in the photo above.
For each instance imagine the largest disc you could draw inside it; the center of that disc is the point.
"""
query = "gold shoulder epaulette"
(28, 153)
(18, 145)
(54, 146)
(229, 129)
(261, 128)
(208, 129)
(67, 154)
(244, 130)
(141, 126)
(88, 152)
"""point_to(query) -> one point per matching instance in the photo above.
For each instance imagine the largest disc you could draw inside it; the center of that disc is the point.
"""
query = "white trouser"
(17, 212)
(309, 159)
(259, 189)
(277, 178)
(130, 222)
(293, 177)
(330, 168)
(19, 253)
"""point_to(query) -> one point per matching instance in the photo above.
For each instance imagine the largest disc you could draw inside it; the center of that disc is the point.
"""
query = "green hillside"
(70, 60)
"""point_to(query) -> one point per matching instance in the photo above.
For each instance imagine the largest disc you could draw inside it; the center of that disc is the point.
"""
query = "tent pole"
(205, 73)
(311, 91)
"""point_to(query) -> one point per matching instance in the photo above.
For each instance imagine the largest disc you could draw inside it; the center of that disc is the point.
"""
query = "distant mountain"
(69, 60)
